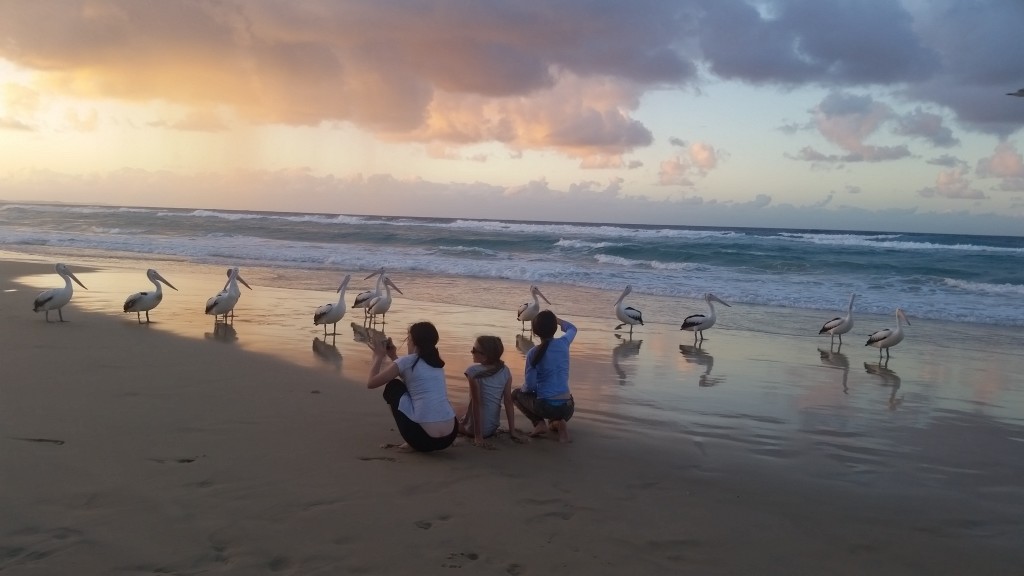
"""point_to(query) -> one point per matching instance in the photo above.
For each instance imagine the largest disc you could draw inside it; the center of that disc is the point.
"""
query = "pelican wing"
(363, 299)
(132, 301)
(634, 315)
(321, 312)
(692, 321)
(41, 300)
(878, 336)
(212, 302)
(522, 308)
(830, 325)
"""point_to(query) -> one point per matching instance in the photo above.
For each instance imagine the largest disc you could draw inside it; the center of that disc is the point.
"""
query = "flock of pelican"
(698, 323)
(378, 301)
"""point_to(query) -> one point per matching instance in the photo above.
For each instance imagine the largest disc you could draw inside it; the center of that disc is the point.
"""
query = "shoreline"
(240, 461)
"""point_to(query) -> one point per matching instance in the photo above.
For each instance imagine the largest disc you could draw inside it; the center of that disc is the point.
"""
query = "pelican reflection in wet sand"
(224, 302)
(698, 323)
(332, 313)
(57, 298)
(888, 337)
(840, 326)
(145, 301)
(626, 314)
(529, 310)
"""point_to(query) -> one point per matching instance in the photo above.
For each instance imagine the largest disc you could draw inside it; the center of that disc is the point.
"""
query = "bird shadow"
(833, 358)
(222, 333)
(329, 353)
(887, 378)
(624, 350)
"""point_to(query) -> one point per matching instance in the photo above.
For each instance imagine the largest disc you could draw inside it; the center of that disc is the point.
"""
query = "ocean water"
(948, 277)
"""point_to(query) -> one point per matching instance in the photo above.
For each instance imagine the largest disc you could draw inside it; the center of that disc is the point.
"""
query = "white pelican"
(888, 337)
(381, 304)
(363, 298)
(225, 300)
(146, 301)
(839, 326)
(1019, 92)
(698, 323)
(332, 313)
(529, 310)
(626, 314)
(57, 298)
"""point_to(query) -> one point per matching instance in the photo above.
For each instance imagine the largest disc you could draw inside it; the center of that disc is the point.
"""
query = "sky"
(822, 114)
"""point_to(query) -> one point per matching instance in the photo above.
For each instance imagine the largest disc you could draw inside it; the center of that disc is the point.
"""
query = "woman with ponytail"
(490, 385)
(415, 389)
(545, 394)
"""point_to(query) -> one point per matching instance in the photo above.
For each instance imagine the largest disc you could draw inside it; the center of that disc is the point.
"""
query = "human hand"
(481, 444)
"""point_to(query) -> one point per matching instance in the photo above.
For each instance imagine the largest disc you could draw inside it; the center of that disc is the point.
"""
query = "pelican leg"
(630, 330)
(138, 317)
(147, 316)
(840, 339)
(886, 354)
(60, 315)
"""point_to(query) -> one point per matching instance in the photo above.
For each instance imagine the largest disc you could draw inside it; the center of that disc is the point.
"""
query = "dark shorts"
(540, 409)
(412, 432)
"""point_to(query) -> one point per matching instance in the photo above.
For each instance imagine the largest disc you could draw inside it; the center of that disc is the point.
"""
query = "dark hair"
(424, 337)
(544, 325)
(491, 349)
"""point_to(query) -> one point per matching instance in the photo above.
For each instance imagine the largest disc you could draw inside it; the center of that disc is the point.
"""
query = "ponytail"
(424, 337)
(544, 325)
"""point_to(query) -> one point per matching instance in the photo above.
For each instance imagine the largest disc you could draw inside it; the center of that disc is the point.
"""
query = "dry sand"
(129, 449)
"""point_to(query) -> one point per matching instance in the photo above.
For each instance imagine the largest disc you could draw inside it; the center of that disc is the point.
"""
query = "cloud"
(700, 158)
(947, 161)
(926, 125)
(1005, 162)
(847, 120)
(952, 184)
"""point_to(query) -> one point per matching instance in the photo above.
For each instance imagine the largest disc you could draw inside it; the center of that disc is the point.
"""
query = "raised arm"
(378, 376)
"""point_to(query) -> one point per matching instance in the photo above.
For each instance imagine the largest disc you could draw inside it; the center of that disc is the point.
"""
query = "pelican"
(381, 304)
(145, 301)
(1017, 93)
(57, 298)
(698, 323)
(839, 326)
(888, 337)
(332, 313)
(528, 311)
(627, 314)
(225, 300)
(363, 298)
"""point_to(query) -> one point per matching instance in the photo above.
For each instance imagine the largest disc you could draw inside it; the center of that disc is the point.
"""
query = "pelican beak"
(239, 278)
(543, 297)
(381, 271)
(79, 282)
(344, 283)
(392, 284)
(720, 301)
(164, 280)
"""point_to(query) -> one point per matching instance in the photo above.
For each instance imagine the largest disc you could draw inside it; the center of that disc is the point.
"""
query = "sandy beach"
(178, 448)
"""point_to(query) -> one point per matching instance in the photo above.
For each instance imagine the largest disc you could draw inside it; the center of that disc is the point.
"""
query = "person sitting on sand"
(415, 388)
(545, 394)
(490, 384)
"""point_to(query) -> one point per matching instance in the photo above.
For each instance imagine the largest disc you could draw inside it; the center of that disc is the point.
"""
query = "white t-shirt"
(427, 400)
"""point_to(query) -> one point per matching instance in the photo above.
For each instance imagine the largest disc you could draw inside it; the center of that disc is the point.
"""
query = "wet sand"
(179, 448)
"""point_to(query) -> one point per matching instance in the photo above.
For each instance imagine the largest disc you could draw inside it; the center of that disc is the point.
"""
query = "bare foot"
(539, 430)
(403, 447)
(563, 431)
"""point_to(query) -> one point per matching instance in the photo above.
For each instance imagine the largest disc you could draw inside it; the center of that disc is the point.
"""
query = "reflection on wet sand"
(223, 332)
(524, 343)
(695, 354)
(626, 348)
(329, 353)
(836, 359)
(888, 378)
(361, 333)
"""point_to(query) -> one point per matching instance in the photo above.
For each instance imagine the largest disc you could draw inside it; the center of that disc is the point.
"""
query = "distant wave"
(984, 288)
(886, 241)
(583, 244)
(617, 260)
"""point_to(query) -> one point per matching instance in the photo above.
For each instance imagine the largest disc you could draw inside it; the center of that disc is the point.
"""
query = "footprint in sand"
(456, 559)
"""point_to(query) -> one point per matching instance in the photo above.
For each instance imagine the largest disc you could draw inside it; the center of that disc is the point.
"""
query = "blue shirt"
(550, 377)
